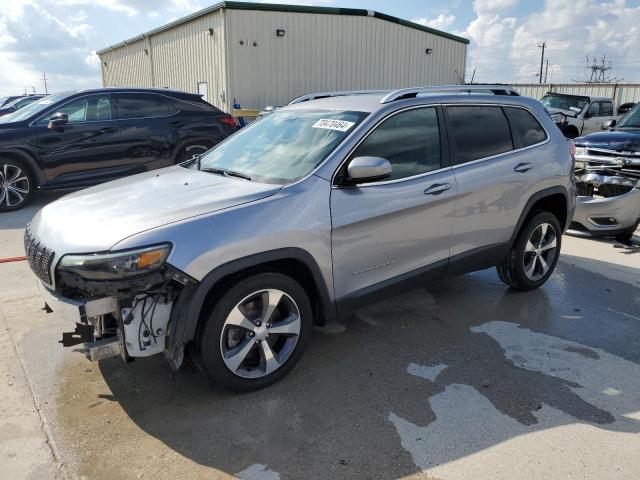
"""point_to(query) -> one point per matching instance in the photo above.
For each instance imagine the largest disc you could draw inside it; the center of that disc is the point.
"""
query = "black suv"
(78, 139)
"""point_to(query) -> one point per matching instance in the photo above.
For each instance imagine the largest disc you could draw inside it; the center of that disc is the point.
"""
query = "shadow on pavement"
(19, 218)
(342, 412)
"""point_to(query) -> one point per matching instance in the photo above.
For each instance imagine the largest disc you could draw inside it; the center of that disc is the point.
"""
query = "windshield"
(631, 119)
(33, 109)
(282, 147)
(573, 104)
(22, 102)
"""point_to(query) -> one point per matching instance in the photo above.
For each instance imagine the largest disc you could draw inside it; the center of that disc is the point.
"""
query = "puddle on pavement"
(330, 418)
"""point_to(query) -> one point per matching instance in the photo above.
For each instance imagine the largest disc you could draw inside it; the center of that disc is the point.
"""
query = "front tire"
(256, 332)
(534, 255)
(16, 185)
(627, 235)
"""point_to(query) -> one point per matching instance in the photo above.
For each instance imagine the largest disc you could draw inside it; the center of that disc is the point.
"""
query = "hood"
(568, 113)
(620, 140)
(97, 218)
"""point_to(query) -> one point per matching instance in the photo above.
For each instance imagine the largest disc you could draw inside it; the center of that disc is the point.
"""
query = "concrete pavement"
(463, 379)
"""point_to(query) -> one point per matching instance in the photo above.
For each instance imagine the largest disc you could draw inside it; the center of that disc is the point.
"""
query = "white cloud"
(134, 7)
(487, 6)
(506, 48)
(441, 22)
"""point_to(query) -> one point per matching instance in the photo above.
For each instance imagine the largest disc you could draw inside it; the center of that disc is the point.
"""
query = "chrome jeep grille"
(39, 256)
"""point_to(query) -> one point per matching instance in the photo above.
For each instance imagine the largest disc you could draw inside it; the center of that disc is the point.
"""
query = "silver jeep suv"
(301, 217)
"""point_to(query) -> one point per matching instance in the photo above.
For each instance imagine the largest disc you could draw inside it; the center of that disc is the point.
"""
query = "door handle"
(437, 188)
(522, 167)
(107, 130)
(176, 124)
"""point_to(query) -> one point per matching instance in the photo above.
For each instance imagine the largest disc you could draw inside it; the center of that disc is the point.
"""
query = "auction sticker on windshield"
(328, 124)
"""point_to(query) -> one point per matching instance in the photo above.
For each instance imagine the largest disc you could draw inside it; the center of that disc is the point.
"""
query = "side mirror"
(362, 169)
(58, 120)
(609, 124)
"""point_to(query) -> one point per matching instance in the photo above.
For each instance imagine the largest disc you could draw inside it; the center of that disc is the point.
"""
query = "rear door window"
(525, 128)
(141, 105)
(606, 109)
(478, 132)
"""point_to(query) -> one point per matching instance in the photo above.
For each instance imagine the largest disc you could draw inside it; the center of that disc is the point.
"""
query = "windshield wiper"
(226, 173)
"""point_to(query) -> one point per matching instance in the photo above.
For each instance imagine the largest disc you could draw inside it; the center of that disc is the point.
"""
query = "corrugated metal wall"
(128, 66)
(322, 52)
(319, 52)
(622, 93)
(178, 58)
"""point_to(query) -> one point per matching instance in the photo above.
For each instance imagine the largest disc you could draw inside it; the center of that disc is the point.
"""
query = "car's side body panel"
(82, 154)
(381, 231)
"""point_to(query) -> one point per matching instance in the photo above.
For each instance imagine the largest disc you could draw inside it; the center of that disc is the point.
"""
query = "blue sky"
(61, 36)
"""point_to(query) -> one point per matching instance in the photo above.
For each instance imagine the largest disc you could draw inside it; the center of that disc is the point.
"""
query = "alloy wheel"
(14, 185)
(540, 251)
(260, 333)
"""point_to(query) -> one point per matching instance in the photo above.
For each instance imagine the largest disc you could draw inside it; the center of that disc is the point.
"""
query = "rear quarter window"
(525, 128)
(141, 105)
(478, 132)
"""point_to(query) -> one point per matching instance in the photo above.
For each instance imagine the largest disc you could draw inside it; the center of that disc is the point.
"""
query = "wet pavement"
(461, 379)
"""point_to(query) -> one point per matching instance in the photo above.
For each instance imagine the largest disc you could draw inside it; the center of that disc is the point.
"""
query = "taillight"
(228, 120)
(572, 147)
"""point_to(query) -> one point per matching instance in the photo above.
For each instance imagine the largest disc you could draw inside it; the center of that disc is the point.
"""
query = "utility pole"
(44, 79)
(546, 71)
(543, 46)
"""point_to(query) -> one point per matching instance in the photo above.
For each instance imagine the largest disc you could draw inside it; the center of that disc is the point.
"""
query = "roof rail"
(475, 88)
(317, 95)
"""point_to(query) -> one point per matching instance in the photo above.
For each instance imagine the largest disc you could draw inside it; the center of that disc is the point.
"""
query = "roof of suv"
(372, 102)
(164, 91)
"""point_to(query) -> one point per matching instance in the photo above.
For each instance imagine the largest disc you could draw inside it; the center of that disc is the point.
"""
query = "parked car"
(19, 103)
(8, 99)
(78, 139)
(316, 209)
(578, 115)
(625, 108)
(313, 96)
(608, 179)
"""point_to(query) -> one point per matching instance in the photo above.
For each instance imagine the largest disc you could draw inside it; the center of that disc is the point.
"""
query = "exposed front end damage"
(608, 184)
(128, 317)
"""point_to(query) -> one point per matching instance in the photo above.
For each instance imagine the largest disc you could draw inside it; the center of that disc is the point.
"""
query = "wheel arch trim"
(536, 197)
(27, 158)
(186, 312)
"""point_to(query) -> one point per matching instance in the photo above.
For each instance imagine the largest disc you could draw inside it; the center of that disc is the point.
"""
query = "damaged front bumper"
(126, 318)
(608, 202)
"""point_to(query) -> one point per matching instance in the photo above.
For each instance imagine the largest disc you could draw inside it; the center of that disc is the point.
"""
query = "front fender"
(188, 307)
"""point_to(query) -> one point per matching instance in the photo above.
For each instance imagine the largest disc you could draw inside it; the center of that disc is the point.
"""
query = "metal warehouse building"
(266, 54)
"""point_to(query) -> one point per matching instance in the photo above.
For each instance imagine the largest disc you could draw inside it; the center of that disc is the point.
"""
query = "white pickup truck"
(578, 115)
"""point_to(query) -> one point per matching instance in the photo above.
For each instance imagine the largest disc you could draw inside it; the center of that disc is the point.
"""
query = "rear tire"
(534, 254)
(16, 185)
(189, 152)
(256, 332)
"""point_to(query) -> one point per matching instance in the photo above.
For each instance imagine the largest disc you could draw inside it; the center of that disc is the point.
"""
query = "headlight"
(558, 118)
(112, 266)
(581, 151)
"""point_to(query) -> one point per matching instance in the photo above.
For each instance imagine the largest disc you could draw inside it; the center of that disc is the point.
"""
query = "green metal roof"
(272, 7)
